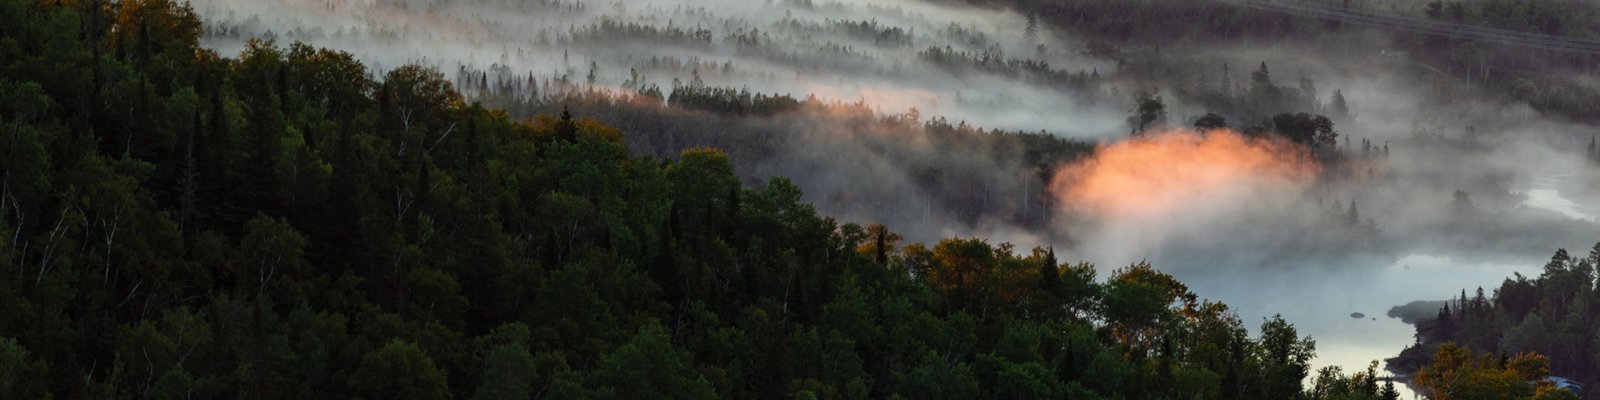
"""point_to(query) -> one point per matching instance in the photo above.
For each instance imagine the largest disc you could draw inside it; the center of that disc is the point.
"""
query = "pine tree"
(1338, 106)
(188, 179)
(1149, 110)
(1353, 216)
(594, 72)
(1050, 273)
(566, 129)
(1594, 153)
(1594, 255)
(341, 240)
(384, 123)
(1031, 30)
(1227, 81)
(422, 190)
(1389, 392)
(1262, 77)
(478, 162)
(1558, 263)
(1308, 88)
(883, 253)
(1444, 325)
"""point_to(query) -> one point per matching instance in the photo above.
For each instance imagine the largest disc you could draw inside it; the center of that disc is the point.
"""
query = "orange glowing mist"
(1161, 173)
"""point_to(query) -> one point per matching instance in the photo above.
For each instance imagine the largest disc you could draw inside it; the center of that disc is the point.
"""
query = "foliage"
(1549, 318)
(1458, 373)
(286, 225)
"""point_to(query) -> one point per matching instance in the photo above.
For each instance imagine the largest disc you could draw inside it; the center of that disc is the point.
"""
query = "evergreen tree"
(1389, 392)
(1030, 30)
(1148, 110)
(388, 249)
(1338, 106)
(1261, 77)
(1594, 152)
(1210, 122)
(1353, 216)
(1227, 81)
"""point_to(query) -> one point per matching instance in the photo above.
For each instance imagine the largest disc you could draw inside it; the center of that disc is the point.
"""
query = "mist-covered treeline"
(1059, 68)
(896, 55)
(224, 220)
(1553, 81)
(919, 174)
(879, 87)
(285, 224)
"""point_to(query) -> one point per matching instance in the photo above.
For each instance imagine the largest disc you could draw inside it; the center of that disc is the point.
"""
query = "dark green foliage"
(1315, 131)
(284, 225)
(1148, 111)
(1210, 122)
(20, 373)
(647, 367)
(730, 101)
(399, 370)
(1552, 315)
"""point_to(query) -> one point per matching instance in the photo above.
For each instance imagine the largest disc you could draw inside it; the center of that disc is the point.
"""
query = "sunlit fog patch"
(1214, 202)
(1152, 178)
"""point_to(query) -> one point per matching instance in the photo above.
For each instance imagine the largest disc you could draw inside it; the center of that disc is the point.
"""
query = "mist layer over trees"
(937, 118)
(556, 199)
(287, 225)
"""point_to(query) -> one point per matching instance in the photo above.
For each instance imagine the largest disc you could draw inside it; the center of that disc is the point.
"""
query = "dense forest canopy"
(781, 199)
(285, 224)
(1548, 314)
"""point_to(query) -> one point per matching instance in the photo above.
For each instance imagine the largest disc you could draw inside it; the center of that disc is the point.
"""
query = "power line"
(1423, 26)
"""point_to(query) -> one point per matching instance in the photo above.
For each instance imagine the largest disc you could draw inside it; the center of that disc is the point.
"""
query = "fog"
(985, 70)
(1459, 189)
(846, 51)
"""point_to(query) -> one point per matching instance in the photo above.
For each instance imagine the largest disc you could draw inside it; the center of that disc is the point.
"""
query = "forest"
(286, 225)
(304, 221)
(1542, 78)
(853, 102)
(1548, 314)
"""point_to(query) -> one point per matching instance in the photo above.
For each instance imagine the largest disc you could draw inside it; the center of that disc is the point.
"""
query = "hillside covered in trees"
(1552, 314)
(285, 225)
(290, 222)
(1147, 42)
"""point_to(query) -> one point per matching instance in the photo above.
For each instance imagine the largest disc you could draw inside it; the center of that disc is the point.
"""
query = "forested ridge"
(952, 165)
(1148, 38)
(1553, 314)
(285, 224)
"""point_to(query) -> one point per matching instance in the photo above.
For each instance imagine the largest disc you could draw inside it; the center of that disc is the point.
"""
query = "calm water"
(1320, 303)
